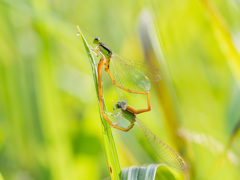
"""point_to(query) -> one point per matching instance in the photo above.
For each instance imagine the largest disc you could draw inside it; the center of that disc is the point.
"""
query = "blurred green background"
(49, 118)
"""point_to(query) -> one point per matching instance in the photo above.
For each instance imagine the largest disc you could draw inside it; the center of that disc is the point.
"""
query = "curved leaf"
(145, 172)
(109, 144)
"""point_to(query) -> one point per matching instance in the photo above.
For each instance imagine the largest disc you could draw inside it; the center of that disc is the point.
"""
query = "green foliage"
(110, 148)
(146, 172)
(49, 117)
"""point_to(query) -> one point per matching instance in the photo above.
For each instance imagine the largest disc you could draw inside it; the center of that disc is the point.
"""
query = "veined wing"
(133, 74)
(167, 154)
(150, 71)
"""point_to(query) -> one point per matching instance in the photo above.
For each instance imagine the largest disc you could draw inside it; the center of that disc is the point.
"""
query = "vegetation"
(49, 119)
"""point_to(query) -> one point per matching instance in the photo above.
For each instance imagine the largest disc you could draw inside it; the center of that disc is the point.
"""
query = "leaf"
(154, 54)
(224, 38)
(109, 144)
(146, 172)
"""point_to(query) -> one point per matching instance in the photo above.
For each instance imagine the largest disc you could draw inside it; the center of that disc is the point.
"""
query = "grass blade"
(145, 172)
(155, 55)
(109, 144)
(223, 36)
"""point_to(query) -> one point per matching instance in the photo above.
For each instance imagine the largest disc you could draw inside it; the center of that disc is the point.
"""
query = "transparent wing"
(121, 94)
(167, 154)
(150, 71)
(127, 76)
(132, 74)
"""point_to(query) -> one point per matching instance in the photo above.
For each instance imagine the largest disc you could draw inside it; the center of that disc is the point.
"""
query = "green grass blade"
(154, 54)
(110, 148)
(224, 38)
(148, 172)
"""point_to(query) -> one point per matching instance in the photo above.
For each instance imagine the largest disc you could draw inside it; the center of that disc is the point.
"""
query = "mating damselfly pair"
(127, 76)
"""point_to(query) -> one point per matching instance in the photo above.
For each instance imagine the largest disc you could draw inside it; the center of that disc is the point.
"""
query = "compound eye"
(96, 40)
(118, 105)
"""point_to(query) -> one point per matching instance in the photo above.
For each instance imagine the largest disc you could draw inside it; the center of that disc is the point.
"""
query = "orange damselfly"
(138, 74)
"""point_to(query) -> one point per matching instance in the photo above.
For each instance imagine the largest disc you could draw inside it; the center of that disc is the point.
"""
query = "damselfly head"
(96, 40)
(121, 104)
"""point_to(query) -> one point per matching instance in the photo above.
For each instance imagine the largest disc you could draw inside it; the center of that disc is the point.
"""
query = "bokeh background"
(49, 118)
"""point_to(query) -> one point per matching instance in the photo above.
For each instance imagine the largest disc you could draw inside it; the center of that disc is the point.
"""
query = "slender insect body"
(164, 152)
(131, 117)
(105, 50)
(125, 69)
(128, 115)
